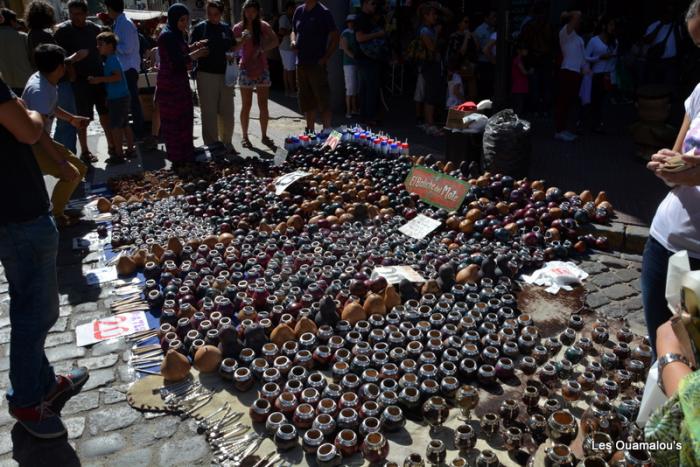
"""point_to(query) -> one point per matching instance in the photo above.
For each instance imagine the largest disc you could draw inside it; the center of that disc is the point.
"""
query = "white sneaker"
(562, 136)
(348, 116)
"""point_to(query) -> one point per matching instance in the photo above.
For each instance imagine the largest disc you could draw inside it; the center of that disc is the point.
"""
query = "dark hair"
(257, 28)
(288, 4)
(40, 15)
(116, 5)
(108, 38)
(216, 4)
(8, 15)
(81, 4)
(48, 57)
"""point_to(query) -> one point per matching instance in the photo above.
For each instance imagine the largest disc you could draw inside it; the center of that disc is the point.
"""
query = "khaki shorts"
(314, 91)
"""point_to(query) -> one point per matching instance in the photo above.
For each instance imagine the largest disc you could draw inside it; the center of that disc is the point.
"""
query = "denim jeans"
(28, 254)
(654, 269)
(132, 81)
(65, 133)
(369, 73)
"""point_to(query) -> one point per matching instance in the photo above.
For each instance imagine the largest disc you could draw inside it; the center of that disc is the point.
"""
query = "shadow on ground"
(34, 452)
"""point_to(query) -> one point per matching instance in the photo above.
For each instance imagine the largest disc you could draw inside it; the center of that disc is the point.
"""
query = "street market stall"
(352, 301)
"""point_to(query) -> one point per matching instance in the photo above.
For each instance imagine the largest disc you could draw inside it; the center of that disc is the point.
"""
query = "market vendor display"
(303, 283)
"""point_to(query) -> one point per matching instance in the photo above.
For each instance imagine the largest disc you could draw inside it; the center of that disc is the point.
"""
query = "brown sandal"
(245, 142)
(88, 157)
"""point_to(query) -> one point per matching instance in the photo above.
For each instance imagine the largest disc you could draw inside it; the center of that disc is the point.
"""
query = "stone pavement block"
(5, 336)
(596, 300)
(5, 442)
(87, 317)
(147, 433)
(109, 346)
(64, 352)
(627, 275)
(614, 310)
(636, 285)
(82, 402)
(102, 446)
(99, 378)
(112, 396)
(4, 363)
(589, 286)
(631, 257)
(75, 426)
(60, 338)
(634, 303)
(183, 452)
(635, 238)
(85, 307)
(609, 260)
(95, 363)
(593, 267)
(61, 325)
(4, 322)
(8, 462)
(112, 418)
(136, 458)
(605, 279)
(619, 291)
(65, 310)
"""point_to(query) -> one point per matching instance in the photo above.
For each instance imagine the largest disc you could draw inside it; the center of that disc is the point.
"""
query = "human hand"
(79, 122)
(93, 79)
(200, 44)
(67, 172)
(660, 158)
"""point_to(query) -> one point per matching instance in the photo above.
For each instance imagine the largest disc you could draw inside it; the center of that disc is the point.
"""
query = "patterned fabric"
(246, 82)
(174, 97)
(678, 420)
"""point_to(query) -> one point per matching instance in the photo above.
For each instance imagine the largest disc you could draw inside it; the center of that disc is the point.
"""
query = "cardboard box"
(454, 119)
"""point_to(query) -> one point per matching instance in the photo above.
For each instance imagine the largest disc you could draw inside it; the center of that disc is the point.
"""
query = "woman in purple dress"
(173, 93)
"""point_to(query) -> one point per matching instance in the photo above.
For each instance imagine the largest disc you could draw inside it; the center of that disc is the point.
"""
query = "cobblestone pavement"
(104, 430)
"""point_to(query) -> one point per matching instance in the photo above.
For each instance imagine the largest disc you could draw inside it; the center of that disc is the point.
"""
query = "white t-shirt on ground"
(670, 50)
(572, 50)
(595, 49)
(676, 224)
(453, 99)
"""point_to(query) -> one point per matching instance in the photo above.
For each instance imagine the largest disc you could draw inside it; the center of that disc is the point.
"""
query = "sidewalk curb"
(622, 237)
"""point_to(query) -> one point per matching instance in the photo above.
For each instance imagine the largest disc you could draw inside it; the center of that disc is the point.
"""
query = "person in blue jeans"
(28, 247)
(676, 224)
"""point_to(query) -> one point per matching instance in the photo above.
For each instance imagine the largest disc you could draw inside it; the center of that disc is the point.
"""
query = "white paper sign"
(419, 227)
(101, 275)
(284, 181)
(111, 327)
(395, 274)
(280, 156)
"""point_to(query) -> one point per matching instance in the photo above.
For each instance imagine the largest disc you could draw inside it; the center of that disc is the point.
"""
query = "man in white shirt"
(129, 57)
(572, 50)
(661, 37)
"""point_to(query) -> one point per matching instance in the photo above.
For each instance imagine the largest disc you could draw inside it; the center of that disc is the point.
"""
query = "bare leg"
(429, 114)
(246, 103)
(353, 105)
(263, 95)
(155, 123)
(348, 104)
(104, 123)
(327, 118)
(129, 138)
(118, 139)
(311, 120)
(82, 137)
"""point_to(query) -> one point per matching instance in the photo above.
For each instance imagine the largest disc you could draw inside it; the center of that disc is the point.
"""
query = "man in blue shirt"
(129, 57)
(315, 38)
